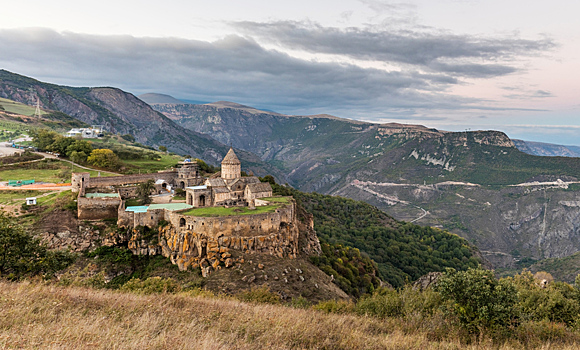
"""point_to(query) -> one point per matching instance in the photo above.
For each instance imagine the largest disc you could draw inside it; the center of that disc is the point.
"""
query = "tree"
(144, 190)
(478, 299)
(22, 254)
(78, 157)
(268, 178)
(60, 144)
(43, 138)
(163, 148)
(80, 146)
(103, 158)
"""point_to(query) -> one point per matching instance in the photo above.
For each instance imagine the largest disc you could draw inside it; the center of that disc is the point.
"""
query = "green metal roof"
(171, 206)
(137, 209)
(102, 195)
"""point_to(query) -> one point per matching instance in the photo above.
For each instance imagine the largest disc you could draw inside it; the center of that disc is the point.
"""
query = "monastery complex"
(225, 211)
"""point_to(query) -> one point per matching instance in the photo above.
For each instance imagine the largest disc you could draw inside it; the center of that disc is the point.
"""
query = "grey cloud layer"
(240, 69)
(233, 68)
(437, 52)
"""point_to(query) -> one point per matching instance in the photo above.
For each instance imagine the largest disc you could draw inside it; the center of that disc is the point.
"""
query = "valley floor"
(37, 315)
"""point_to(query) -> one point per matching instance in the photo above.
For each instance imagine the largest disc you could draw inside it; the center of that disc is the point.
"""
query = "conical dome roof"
(231, 158)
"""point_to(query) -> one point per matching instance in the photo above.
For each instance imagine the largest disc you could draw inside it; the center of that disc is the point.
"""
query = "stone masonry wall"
(206, 241)
(97, 208)
(103, 181)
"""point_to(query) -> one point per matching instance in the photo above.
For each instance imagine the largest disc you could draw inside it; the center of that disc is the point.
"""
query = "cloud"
(425, 48)
(528, 95)
(241, 69)
(233, 68)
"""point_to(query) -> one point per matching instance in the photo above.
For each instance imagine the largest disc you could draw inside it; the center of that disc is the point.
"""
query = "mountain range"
(516, 207)
(123, 113)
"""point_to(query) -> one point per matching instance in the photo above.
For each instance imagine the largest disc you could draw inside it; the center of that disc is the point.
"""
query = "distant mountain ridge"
(123, 113)
(547, 149)
(155, 98)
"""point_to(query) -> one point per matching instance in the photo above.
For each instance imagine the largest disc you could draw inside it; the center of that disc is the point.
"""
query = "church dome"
(231, 158)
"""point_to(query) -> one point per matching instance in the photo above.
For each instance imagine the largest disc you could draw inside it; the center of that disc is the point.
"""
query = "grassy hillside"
(153, 315)
(123, 113)
(40, 316)
(18, 108)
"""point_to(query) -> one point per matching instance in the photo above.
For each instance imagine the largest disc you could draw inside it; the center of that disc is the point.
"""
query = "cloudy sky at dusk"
(451, 64)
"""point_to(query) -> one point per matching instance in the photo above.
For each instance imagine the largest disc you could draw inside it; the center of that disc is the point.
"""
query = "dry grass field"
(40, 316)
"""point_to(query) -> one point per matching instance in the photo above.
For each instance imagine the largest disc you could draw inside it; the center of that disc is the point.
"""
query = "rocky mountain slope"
(123, 113)
(461, 181)
(547, 149)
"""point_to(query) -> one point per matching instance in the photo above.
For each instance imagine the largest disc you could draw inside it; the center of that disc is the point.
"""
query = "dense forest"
(403, 251)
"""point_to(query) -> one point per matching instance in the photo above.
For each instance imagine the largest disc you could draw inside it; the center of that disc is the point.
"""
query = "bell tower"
(231, 166)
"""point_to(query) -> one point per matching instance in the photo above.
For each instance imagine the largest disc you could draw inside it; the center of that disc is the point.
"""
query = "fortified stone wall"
(103, 181)
(80, 181)
(127, 192)
(206, 242)
(98, 208)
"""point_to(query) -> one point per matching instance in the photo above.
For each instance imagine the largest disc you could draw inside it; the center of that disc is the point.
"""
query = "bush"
(416, 302)
(151, 285)
(557, 302)
(387, 303)
(478, 299)
(533, 334)
(22, 254)
(112, 255)
(259, 295)
(335, 307)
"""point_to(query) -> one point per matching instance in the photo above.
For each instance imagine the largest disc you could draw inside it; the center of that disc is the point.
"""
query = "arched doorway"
(182, 185)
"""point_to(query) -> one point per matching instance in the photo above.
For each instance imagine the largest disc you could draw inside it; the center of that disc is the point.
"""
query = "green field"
(284, 200)
(9, 197)
(234, 211)
(153, 165)
(18, 108)
(53, 171)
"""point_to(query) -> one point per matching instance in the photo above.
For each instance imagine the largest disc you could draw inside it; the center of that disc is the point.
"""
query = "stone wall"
(98, 208)
(206, 242)
(80, 181)
(149, 218)
(104, 181)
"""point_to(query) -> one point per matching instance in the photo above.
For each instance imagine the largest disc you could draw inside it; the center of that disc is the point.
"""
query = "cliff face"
(208, 243)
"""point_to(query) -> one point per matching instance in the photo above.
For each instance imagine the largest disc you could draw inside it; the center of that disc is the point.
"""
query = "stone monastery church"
(230, 188)
(104, 197)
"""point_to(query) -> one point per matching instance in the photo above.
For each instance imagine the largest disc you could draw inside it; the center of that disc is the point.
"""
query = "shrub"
(151, 285)
(259, 295)
(416, 302)
(113, 255)
(533, 334)
(22, 254)
(335, 306)
(478, 299)
(387, 303)
(300, 303)
(557, 302)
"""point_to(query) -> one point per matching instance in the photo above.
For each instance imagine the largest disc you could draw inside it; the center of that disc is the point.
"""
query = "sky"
(449, 64)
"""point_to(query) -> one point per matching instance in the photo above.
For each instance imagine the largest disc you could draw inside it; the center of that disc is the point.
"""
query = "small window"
(181, 222)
